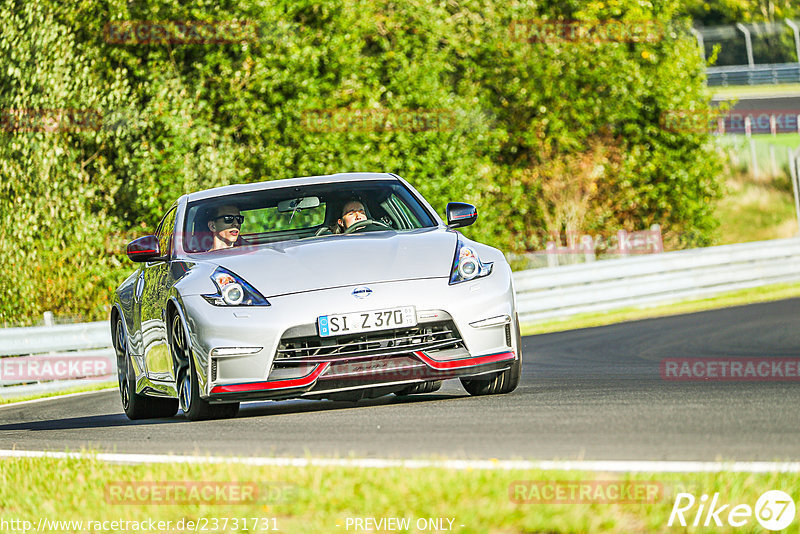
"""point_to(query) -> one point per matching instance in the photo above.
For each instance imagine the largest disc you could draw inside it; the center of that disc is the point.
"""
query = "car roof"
(291, 182)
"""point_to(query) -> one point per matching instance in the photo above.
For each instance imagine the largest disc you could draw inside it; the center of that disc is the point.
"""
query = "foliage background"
(550, 137)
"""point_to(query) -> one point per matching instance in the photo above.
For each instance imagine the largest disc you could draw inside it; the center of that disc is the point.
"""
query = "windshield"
(312, 211)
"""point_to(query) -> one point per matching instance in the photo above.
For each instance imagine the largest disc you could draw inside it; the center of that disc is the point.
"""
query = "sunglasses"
(228, 219)
(361, 211)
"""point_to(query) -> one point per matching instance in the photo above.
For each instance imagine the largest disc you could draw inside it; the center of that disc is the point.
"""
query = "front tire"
(194, 407)
(136, 406)
(503, 382)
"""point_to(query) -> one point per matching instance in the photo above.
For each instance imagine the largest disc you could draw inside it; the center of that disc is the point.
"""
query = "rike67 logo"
(774, 510)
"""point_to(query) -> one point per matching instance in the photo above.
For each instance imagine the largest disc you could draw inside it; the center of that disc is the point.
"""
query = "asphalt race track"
(594, 394)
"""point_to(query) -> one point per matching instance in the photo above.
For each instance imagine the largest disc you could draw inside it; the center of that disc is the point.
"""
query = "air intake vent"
(310, 349)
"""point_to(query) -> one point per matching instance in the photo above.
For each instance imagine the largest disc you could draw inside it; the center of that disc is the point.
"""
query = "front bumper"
(332, 377)
(482, 347)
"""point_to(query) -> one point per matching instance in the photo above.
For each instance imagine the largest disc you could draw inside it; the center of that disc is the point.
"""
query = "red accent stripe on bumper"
(464, 362)
(274, 384)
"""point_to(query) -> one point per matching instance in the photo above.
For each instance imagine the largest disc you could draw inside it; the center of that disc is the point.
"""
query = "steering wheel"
(355, 227)
(323, 231)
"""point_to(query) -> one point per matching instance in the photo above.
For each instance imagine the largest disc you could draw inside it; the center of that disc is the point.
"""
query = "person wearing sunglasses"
(225, 224)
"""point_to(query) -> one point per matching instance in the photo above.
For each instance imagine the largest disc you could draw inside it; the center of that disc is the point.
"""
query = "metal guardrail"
(42, 359)
(38, 339)
(653, 279)
(756, 75)
(546, 293)
(777, 42)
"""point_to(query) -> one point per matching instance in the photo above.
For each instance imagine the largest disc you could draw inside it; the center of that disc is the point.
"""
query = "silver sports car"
(341, 287)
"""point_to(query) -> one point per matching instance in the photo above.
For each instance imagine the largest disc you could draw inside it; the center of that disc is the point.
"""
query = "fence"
(752, 54)
(55, 357)
(546, 293)
(757, 156)
(794, 171)
(756, 75)
(601, 286)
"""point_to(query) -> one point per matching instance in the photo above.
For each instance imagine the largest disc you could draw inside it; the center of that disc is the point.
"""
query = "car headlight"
(467, 265)
(233, 291)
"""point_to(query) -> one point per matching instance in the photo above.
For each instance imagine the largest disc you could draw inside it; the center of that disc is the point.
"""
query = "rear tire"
(417, 389)
(136, 406)
(194, 407)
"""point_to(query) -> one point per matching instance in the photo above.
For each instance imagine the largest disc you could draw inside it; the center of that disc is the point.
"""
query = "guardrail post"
(551, 251)
(796, 32)
(749, 44)
(753, 159)
(658, 241)
(748, 130)
(700, 41)
(622, 242)
(773, 160)
(587, 244)
(793, 170)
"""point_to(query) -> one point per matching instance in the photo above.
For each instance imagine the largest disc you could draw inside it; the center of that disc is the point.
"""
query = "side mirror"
(460, 214)
(144, 249)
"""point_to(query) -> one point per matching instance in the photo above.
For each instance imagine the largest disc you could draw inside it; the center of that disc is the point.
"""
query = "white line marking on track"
(635, 466)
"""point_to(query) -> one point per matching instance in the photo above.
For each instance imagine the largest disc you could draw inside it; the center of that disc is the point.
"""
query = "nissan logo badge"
(362, 292)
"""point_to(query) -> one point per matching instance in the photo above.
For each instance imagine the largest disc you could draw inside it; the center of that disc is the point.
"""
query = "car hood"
(342, 260)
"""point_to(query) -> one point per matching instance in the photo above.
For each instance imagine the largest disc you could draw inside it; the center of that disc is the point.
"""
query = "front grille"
(429, 337)
(213, 369)
(508, 335)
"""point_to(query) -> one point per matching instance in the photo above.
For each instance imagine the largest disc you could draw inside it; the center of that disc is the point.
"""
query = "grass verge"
(755, 212)
(744, 91)
(78, 389)
(733, 298)
(323, 499)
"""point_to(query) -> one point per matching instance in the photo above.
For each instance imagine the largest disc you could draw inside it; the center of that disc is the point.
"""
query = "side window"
(165, 231)
(409, 218)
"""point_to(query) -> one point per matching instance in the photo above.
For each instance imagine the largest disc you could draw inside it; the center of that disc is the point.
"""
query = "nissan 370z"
(340, 287)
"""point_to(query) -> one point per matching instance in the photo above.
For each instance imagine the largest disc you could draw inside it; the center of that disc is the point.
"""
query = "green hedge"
(542, 136)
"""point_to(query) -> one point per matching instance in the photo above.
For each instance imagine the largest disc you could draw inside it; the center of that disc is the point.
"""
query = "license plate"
(366, 321)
